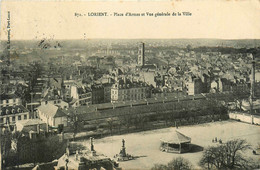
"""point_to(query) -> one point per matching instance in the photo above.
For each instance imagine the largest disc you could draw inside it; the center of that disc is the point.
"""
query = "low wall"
(244, 117)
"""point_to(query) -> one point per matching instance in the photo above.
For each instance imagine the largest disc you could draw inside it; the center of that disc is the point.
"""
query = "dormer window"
(13, 111)
(7, 111)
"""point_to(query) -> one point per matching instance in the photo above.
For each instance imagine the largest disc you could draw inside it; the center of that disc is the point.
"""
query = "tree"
(159, 167)
(127, 121)
(227, 156)
(178, 163)
(110, 122)
(5, 145)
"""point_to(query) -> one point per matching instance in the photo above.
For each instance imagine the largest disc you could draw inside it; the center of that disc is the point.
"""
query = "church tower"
(140, 59)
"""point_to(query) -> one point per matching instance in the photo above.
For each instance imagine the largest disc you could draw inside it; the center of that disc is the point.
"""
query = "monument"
(123, 156)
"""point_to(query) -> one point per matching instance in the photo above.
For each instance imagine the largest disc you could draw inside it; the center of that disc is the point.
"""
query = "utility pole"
(252, 89)
(31, 104)
(1, 159)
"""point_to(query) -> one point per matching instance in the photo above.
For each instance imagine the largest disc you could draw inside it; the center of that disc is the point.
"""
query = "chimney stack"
(47, 127)
(38, 128)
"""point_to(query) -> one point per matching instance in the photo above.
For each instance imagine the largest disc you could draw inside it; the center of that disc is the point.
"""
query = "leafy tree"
(227, 156)
(127, 121)
(110, 122)
(159, 167)
(178, 163)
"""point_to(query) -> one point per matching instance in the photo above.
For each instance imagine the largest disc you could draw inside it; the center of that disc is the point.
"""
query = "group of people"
(215, 140)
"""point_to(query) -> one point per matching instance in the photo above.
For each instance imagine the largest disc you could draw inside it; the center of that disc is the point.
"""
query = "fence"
(245, 117)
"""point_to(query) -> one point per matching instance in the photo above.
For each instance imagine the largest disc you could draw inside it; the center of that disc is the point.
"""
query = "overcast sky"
(210, 19)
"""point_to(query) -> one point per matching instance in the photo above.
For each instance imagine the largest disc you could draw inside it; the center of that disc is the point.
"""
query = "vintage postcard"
(131, 85)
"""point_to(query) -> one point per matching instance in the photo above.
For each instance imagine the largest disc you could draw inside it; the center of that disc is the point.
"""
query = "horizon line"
(136, 39)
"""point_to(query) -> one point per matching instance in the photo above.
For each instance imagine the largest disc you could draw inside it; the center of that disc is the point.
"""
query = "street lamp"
(31, 104)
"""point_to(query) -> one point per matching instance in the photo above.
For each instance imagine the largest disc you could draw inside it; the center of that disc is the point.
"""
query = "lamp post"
(1, 160)
(31, 104)
(252, 89)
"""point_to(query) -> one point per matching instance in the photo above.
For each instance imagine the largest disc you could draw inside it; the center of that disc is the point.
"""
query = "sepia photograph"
(130, 85)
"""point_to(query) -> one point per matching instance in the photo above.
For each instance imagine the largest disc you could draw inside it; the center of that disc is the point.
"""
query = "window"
(46, 102)
(7, 101)
(13, 118)
(25, 117)
(1, 120)
(19, 117)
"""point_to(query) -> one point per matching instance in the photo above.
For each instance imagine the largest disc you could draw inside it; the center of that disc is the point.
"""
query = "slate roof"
(51, 110)
(30, 122)
(13, 110)
(8, 96)
(177, 138)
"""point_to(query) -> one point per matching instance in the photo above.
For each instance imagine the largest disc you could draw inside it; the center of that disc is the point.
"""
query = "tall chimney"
(38, 128)
(47, 126)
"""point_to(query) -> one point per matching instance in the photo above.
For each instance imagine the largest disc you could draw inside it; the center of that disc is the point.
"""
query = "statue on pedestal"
(123, 156)
(123, 150)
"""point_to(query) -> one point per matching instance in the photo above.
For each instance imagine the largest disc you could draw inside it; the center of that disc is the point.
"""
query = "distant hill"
(83, 44)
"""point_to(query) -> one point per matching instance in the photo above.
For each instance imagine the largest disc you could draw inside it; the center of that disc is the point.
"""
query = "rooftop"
(8, 96)
(30, 122)
(176, 138)
(51, 110)
(8, 110)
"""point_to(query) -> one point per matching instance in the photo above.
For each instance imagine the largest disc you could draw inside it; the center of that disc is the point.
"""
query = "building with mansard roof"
(12, 114)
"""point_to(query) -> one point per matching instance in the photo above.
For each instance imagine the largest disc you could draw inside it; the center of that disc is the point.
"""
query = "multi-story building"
(107, 92)
(76, 94)
(197, 86)
(12, 114)
(81, 96)
(97, 94)
(125, 91)
(9, 100)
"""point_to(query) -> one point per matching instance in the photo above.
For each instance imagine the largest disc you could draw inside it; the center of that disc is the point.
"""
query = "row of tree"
(128, 122)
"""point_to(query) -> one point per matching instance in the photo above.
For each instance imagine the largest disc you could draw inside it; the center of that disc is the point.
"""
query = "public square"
(146, 144)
